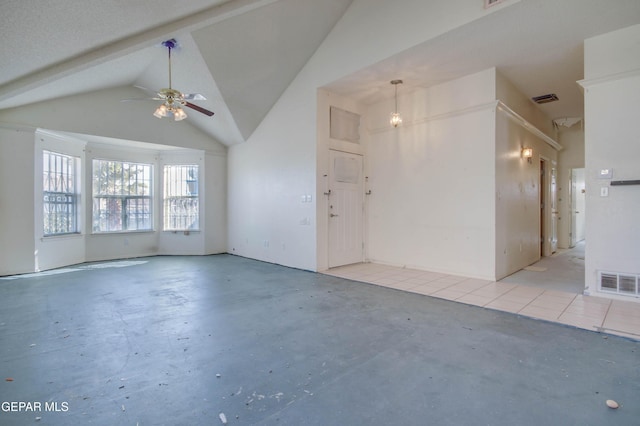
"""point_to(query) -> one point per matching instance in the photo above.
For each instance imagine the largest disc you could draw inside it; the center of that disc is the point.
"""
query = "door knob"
(333, 215)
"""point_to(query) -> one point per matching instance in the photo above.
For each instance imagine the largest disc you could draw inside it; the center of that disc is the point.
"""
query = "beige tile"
(592, 299)
(411, 273)
(383, 274)
(559, 294)
(424, 289)
(469, 285)
(383, 281)
(622, 325)
(430, 276)
(527, 291)
(628, 309)
(474, 299)
(493, 290)
(448, 294)
(589, 310)
(450, 279)
(551, 303)
(542, 313)
(417, 281)
(439, 284)
(514, 298)
(580, 321)
(505, 305)
(634, 316)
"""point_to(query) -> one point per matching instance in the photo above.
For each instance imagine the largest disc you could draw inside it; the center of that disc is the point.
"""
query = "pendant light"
(395, 119)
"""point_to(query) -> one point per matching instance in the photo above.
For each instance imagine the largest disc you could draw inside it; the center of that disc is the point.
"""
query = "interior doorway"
(542, 187)
(577, 206)
(548, 209)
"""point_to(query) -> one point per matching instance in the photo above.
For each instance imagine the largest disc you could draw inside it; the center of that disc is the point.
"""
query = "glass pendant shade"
(395, 119)
(179, 114)
(161, 111)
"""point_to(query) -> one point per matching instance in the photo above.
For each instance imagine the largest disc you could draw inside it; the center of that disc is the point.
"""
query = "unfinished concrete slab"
(182, 340)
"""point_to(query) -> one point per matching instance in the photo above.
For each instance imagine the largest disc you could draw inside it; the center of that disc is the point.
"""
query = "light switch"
(604, 191)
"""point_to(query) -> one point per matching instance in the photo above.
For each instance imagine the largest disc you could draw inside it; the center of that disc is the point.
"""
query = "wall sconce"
(395, 119)
(527, 153)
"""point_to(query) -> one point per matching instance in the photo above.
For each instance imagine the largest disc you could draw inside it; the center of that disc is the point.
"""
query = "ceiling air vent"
(545, 99)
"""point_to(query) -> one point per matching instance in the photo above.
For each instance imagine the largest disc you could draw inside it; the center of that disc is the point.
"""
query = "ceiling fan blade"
(144, 89)
(141, 99)
(199, 109)
(193, 97)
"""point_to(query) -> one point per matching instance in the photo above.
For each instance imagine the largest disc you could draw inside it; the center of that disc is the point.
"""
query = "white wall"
(16, 200)
(432, 179)
(214, 216)
(612, 96)
(279, 164)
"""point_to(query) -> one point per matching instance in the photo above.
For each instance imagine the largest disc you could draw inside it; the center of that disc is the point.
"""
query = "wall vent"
(618, 283)
(545, 99)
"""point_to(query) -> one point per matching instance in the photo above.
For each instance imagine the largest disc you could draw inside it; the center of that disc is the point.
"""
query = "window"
(181, 204)
(59, 195)
(121, 196)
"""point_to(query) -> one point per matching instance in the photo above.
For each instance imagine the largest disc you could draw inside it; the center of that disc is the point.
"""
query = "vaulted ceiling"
(239, 54)
(242, 54)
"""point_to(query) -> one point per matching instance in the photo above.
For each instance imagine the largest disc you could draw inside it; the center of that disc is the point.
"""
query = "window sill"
(150, 231)
(53, 237)
(181, 231)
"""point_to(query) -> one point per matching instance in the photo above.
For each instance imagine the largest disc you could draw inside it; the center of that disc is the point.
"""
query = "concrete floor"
(562, 271)
(179, 340)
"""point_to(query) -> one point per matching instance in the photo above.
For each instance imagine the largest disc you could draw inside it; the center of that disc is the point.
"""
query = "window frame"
(72, 174)
(185, 193)
(123, 199)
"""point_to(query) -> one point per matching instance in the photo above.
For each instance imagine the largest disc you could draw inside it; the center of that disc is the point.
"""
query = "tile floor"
(588, 312)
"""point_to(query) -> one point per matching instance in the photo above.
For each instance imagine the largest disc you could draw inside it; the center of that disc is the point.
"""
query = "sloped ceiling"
(242, 54)
(239, 54)
(255, 56)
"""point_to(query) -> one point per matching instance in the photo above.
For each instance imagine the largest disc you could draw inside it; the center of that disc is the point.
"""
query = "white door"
(346, 193)
(553, 194)
(578, 204)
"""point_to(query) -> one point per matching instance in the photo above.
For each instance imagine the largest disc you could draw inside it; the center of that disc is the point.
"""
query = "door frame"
(547, 227)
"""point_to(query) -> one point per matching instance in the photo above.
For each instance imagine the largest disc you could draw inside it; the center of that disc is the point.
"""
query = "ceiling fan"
(172, 99)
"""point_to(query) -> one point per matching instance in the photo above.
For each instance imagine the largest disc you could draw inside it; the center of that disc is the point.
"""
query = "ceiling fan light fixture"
(179, 114)
(161, 111)
(173, 100)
